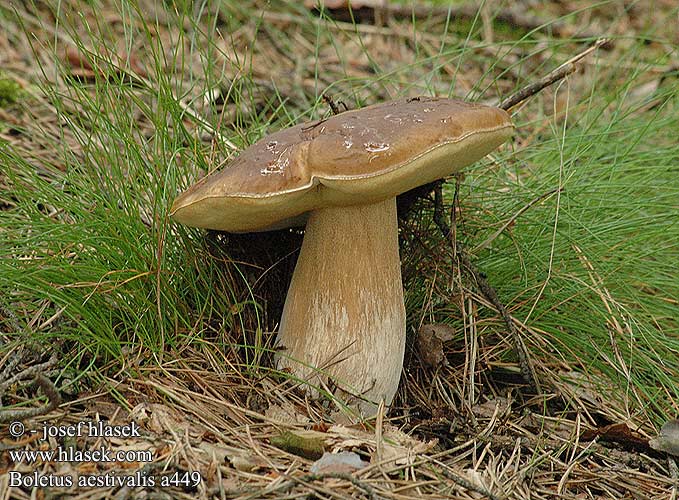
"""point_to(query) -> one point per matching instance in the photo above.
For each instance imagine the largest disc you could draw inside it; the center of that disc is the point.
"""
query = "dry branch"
(527, 370)
(558, 74)
(54, 400)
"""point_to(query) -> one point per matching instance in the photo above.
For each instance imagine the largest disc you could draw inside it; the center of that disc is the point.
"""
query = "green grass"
(618, 214)
(91, 263)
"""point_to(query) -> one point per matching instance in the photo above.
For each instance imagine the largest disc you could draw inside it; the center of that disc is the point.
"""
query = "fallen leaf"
(344, 462)
(286, 412)
(618, 433)
(489, 408)
(320, 427)
(430, 339)
(77, 59)
(240, 459)
(81, 63)
(400, 449)
(246, 462)
(231, 486)
(163, 419)
(219, 452)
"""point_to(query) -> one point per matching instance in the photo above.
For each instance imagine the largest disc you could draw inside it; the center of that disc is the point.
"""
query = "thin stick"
(334, 107)
(527, 370)
(559, 73)
(22, 414)
(26, 373)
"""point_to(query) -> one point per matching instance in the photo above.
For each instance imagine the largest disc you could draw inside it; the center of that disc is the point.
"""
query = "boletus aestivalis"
(344, 317)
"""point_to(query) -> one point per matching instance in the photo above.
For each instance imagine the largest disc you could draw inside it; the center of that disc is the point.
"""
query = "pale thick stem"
(344, 317)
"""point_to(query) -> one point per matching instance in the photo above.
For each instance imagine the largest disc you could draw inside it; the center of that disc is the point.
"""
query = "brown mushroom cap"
(357, 157)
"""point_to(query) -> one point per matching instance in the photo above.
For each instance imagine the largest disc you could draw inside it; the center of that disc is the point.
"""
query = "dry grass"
(466, 429)
(198, 413)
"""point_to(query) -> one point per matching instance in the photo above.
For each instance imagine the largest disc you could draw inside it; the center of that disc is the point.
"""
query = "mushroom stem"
(344, 317)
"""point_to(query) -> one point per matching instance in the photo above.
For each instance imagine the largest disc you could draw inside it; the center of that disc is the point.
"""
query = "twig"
(334, 107)
(12, 362)
(27, 373)
(559, 73)
(595, 449)
(24, 413)
(527, 370)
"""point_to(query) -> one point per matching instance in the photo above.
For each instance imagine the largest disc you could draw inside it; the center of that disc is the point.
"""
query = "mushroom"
(344, 318)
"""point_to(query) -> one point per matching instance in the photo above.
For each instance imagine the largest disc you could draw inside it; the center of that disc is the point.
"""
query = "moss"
(10, 91)
(310, 448)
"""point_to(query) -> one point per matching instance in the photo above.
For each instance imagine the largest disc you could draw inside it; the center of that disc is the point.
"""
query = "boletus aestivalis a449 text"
(344, 317)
